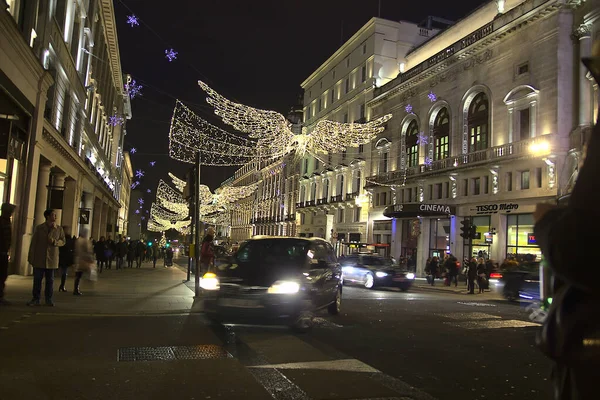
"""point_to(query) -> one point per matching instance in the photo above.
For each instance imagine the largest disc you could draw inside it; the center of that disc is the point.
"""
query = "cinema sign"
(419, 210)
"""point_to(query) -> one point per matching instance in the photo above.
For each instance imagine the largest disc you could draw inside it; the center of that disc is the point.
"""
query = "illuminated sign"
(419, 210)
(531, 238)
(494, 208)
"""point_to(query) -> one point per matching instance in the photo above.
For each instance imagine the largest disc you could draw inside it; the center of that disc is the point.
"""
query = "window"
(347, 85)
(341, 215)
(524, 124)
(520, 240)
(361, 148)
(438, 190)
(441, 134)
(361, 112)
(313, 191)
(344, 155)
(524, 180)
(476, 186)
(307, 114)
(321, 84)
(383, 199)
(340, 185)
(523, 69)
(302, 194)
(363, 73)
(306, 166)
(412, 147)
(356, 182)
(357, 212)
(383, 164)
(447, 189)
(408, 197)
(430, 192)
(538, 177)
(326, 188)
(486, 184)
(477, 121)
(302, 219)
(508, 181)
(439, 237)
(480, 246)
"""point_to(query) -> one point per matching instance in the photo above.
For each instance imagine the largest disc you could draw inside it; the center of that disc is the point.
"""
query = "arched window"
(478, 124)
(356, 182)
(302, 194)
(326, 188)
(313, 191)
(412, 147)
(441, 134)
(340, 185)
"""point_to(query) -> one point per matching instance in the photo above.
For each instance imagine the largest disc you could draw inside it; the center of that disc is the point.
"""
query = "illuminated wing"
(206, 196)
(230, 194)
(271, 129)
(179, 183)
(334, 137)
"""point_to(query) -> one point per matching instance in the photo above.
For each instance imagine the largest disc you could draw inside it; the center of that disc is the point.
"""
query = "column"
(103, 219)
(96, 213)
(423, 246)
(70, 205)
(87, 204)
(584, 35)
(41, 200)
(58, 182)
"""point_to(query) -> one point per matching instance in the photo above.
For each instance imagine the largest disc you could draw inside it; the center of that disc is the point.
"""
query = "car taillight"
(495, 275)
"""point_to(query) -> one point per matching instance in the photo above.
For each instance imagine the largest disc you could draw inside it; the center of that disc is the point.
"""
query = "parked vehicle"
(370, 270)
(275, 280)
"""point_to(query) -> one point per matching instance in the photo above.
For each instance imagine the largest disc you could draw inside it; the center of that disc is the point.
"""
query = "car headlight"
(348, 270)
(380, 274)
(209, 281)
(410, 275)
(284, 287)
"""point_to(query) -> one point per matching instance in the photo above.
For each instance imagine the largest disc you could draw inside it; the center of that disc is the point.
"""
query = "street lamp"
(538, 148)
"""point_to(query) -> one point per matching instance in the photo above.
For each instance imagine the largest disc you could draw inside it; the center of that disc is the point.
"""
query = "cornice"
(110, 30)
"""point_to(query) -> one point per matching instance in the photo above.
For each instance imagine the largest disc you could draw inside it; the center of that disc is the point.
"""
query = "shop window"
(441, 134)
(412, 147)
(439, 237)
(480, 245)
(520, 239)
(357, 212)
(341, 215)
(478, 123)
(524, 180)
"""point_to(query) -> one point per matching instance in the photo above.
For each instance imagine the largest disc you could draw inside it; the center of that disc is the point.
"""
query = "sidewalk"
(145, 290)
(461, 289)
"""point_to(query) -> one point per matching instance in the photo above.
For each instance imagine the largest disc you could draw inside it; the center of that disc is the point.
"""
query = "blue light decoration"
(141, 201)
(408, 109)
(133, 89)
(135, 184)
(432, 97)
(133, 20)
(428, 161)
(422, 139)
(139, 173)
(133, 150)
(147, 212)
(171, 54)
(152, 163)
(115, 120)
(149, 191)
(137, 211)
(142, 218)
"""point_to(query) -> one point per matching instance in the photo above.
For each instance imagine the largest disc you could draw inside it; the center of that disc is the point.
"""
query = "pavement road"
(422, 344)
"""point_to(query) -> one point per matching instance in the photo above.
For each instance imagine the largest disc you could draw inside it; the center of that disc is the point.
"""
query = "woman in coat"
(472, 275)
(84, 260)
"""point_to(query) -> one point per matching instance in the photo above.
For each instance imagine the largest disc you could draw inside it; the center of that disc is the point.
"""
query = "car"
(275, 280)
(520, 283)
(370, 270)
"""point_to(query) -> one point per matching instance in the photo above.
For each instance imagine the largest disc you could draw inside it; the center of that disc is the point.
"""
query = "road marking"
(348, 365)
(324, 323)
(475, 304)
(494, 324)
(469, 316)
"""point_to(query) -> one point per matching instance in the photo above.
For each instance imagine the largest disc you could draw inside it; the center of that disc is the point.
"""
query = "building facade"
(64, 110)
(486, 125)
(332, 202)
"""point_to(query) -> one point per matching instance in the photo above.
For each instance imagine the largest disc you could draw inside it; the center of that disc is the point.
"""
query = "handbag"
(571, 332)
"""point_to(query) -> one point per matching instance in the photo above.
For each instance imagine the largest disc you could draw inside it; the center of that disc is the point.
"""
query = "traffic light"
(149, 243)
(473, 234)
(465, 228)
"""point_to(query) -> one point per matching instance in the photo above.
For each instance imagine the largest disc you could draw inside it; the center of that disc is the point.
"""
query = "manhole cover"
(171, 353)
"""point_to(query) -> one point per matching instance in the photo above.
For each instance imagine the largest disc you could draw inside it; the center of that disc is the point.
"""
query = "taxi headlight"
(381, 274)
(284, 287)
(410, 275)
(209, 281)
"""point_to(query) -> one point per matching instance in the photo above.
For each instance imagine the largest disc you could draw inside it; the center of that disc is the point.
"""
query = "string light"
(133, 150)
(171, 54)
(133, 89)
(273, 132)
(422, 138)
(141, 201)
(139, 174)
(408, 109)
(115, 120)
(432, 97)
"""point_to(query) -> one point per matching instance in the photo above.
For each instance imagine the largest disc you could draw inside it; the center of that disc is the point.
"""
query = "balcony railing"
(322, 201)
(310, 203)
(300, 205)
(351, 196)
(337, 199)
(493, 154)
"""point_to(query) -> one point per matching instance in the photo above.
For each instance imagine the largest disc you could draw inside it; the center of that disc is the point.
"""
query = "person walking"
(481, 276)
(471, 275)
(450, 264)
(66, 257)
(111, 250)
(43, 257)
(121, 251)
(140, 250)
(100, 249)
(83, 260)
(154, 250)
(6, 212)
(207, 251)
(433, 269)
(130, 254)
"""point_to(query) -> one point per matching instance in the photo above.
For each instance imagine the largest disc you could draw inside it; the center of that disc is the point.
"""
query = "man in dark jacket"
(566, 236)
(66, 257)
(6, 212)
(121, 250)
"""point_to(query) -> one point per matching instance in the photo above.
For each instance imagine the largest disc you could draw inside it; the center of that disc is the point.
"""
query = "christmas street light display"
(171, 54)
(179, 183)
(133, 89)
(273, 132)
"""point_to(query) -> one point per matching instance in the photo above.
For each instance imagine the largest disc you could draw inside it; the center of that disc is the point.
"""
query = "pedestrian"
(43, 257)
(140, 249)
(450, 264)
(83, 259)
(154, 250)
(471, 275)
(66, 257)
(6, 212)
(566, 236)
(169, 257)
(101, 251)
(130, 254)
(207, 252)
(121, 251)
(111, 250)
(481, 275)
(433, 269)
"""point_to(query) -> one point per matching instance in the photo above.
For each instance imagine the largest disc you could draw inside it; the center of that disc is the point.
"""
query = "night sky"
(255, 52)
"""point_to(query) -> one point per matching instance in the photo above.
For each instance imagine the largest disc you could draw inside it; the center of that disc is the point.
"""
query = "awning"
(414, 210)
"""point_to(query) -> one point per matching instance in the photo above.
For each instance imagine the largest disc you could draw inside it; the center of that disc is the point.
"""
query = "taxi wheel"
(336, 307)
(369, 280)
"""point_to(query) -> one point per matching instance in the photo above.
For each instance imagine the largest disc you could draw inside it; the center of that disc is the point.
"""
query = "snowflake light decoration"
(171, 54)
(408, 108)
(133, 20)
(137, 211)
(147, 212)
(152, 163)
(149, 191)
(135, 184)
(432, 97)
(142, 218)
(422, 139)
(139, 173)
(133, 89)
(428, 161)
(141, 201)
(133, 150)
(115, 120)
